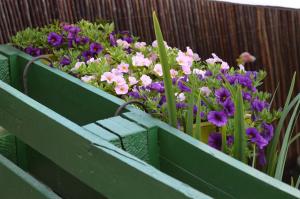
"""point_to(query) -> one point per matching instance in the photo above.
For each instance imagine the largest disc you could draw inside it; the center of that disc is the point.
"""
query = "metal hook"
(120, 109)
(25, 72)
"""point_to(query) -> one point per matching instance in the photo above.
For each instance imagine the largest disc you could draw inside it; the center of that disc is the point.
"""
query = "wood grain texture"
(271, 34)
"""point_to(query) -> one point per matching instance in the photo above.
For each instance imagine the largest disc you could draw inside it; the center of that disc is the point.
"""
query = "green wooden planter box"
(75, 145)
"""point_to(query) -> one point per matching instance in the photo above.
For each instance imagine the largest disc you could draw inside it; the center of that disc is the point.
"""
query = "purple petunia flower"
(65, 61)
(258, 105)
(112, 39)
(181, 105)
(244, 81)
(126, 36)
(157, 87)
(95, 48)
(55, 39)
(261, 157)
(256, 138)
(163, 100)
(215, 140)
(208, 73)
(246, 96)
(134, 94)
(82, 40)
(183, 87)
(267, 131)
(33, 51)
(222, 94)
(87, 55)
(230, 140)
(228, 106)
(217, 118)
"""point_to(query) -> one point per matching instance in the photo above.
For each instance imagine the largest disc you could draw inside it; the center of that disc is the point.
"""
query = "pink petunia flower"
(119, 80)
(132, 80)
(140, 60)
(123, 43)
(146, 80)
(173, 73)
(123, 67)
(186, 69)
(139, 45)
(121, 89)
(205, 91)
(108, 77)
(224, 66)
(158, 69)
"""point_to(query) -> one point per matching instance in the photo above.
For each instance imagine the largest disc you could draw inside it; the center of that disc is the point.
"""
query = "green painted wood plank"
(147, 122)
(63, 93)
(209, 170)
(133, 136)
(4, 69)
(97, 163)
(16, 184)
(60, 181)
(101, 132)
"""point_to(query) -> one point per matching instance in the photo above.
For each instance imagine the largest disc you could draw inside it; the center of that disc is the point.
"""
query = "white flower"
(180, 97)
(77, 66)
(154, 44)
(205, 91)
(242, 68)
(87, 78)
(146, 80)
(139, 45)
(158, 69)
(123, 43)
(140, 60)
(224, 66)
(199, 72)
(196, 57)
(132, 80)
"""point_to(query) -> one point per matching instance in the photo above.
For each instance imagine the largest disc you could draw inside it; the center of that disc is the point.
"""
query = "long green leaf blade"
(166, 73)
(274, 143)
(285, 145)
(240, 142)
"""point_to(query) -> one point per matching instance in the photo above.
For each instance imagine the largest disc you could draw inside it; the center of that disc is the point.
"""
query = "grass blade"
(240, 141)
(274, 143)
(294, 138)
(198, 120)
(285, 145)
(190, 115)
(298, 182)
(166, 73)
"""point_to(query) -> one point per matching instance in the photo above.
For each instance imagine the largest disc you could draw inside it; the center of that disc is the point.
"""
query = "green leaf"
(294, 138)
(274, 143)
(285, 145)
(240, 142)
(198, 120)
(190, 115)
(166, 73)
(298, 182)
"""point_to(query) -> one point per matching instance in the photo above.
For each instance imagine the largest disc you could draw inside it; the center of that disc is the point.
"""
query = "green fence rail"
(69, 129)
